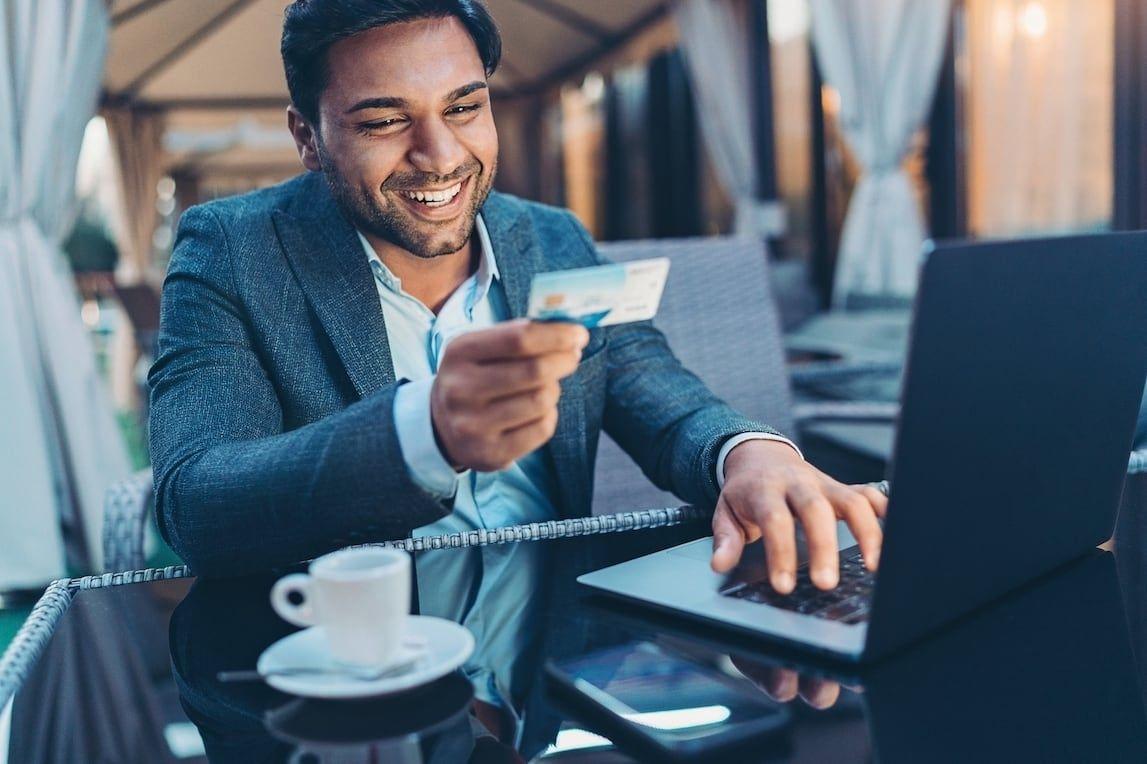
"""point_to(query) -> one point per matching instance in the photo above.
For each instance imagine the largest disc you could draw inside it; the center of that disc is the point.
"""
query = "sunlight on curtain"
(1039, 81)
(792, 82)
(583, 126)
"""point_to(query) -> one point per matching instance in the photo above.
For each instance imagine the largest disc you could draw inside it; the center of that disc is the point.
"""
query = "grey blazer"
(272, 435)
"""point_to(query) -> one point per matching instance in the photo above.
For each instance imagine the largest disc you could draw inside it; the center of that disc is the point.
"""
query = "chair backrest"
(127, 506)
(720, 318)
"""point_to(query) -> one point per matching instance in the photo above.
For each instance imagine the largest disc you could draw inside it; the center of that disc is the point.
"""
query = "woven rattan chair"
(127, 506)
(720, 317)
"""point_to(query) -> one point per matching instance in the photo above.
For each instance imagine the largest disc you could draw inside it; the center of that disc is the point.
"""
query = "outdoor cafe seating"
(795, 162)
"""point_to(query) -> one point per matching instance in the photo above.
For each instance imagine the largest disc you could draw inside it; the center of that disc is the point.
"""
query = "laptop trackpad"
(702, 549)
(697, 550)
(750, 569)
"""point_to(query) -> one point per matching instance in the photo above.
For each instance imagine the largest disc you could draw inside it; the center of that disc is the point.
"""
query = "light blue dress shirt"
(491, 590)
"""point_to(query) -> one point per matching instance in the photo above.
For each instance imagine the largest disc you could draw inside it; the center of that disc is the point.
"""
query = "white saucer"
(447, 645)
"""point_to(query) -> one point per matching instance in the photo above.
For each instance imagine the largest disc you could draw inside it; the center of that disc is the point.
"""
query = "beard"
(372, 212)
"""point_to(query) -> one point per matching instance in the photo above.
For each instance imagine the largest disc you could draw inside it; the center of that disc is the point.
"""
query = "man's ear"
(306, 139)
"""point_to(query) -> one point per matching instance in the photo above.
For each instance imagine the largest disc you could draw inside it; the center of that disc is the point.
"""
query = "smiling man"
(343, 357)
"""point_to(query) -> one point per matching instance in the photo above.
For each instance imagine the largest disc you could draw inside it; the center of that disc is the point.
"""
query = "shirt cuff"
(737, 440)
(424, 461)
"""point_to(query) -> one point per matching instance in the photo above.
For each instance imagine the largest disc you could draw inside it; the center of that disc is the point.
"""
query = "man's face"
(406, 135)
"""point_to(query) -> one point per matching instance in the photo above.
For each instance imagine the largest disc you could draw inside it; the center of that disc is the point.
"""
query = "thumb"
(728, 539)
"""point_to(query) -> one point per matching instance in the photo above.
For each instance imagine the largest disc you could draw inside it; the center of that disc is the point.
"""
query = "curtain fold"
(628, 212)
(673, 155)
(136, 136)
(883, 57)
(61, 443)
(137, 142)
(96, 653)
(715, 42)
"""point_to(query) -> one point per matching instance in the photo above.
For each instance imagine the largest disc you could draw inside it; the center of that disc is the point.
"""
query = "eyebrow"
(465, 90)
(394, 102)
(380, 102)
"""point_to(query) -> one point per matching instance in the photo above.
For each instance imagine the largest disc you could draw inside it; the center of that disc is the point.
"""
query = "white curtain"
(883, 58)
(715, 42)
(59, 444)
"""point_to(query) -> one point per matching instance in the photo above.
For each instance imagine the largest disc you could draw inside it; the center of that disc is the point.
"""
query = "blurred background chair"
(720, 316)
(127, 512)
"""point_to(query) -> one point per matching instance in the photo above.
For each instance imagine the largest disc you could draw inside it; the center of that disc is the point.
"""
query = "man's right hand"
(495, 398)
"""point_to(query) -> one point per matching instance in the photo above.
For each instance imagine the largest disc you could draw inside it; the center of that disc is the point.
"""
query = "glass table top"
(1046, 674)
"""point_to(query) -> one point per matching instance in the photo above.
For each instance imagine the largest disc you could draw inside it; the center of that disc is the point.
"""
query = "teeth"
(435, 198)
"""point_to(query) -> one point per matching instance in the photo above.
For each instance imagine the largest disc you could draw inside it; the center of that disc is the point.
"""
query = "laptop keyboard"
(848, 603)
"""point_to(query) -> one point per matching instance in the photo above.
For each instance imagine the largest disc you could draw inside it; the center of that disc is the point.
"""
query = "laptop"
(1025, 371)
(1046, 673)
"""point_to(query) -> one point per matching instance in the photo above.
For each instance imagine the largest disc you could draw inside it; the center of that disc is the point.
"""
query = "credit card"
(601, 295)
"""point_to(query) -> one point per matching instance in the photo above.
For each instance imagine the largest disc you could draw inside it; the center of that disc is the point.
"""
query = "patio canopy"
(213, 68)
(225, 53)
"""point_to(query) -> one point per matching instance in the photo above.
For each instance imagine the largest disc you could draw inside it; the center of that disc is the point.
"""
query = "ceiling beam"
(508, 66)
(570, 18)
(127, 14)
(584, 62)
(610, 42)
(223, 103)
(210, 27)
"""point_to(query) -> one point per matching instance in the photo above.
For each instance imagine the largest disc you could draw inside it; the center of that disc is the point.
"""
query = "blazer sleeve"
(233, 492)
(661, 414)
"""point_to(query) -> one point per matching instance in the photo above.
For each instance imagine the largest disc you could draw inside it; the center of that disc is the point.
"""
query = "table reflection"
(1047, 674)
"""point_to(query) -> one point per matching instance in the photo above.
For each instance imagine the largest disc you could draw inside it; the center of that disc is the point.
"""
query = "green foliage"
(89, 248)
(10, 622)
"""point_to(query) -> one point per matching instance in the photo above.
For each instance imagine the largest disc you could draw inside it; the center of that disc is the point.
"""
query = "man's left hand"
(768, 489)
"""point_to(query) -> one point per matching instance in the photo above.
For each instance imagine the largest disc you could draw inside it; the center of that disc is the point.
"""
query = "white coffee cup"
(360, 597)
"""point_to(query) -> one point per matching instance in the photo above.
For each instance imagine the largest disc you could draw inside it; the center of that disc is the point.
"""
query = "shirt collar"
(483, 277)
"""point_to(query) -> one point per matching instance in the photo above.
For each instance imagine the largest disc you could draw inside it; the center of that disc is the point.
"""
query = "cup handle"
(302, 614)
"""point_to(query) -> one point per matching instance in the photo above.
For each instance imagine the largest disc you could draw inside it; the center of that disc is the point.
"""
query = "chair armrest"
(846, 411)
(835, 371)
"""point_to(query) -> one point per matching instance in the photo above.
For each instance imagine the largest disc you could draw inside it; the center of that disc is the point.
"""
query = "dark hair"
(311, 27)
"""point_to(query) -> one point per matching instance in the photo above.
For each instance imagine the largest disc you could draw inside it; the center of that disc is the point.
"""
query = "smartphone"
(665, 705)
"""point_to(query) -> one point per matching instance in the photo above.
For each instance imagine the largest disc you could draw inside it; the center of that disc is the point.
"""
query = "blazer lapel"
(519, 255)
(327, 259)
(516, 249)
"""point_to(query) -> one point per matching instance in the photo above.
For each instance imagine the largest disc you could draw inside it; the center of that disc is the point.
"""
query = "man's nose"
(436, 149)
